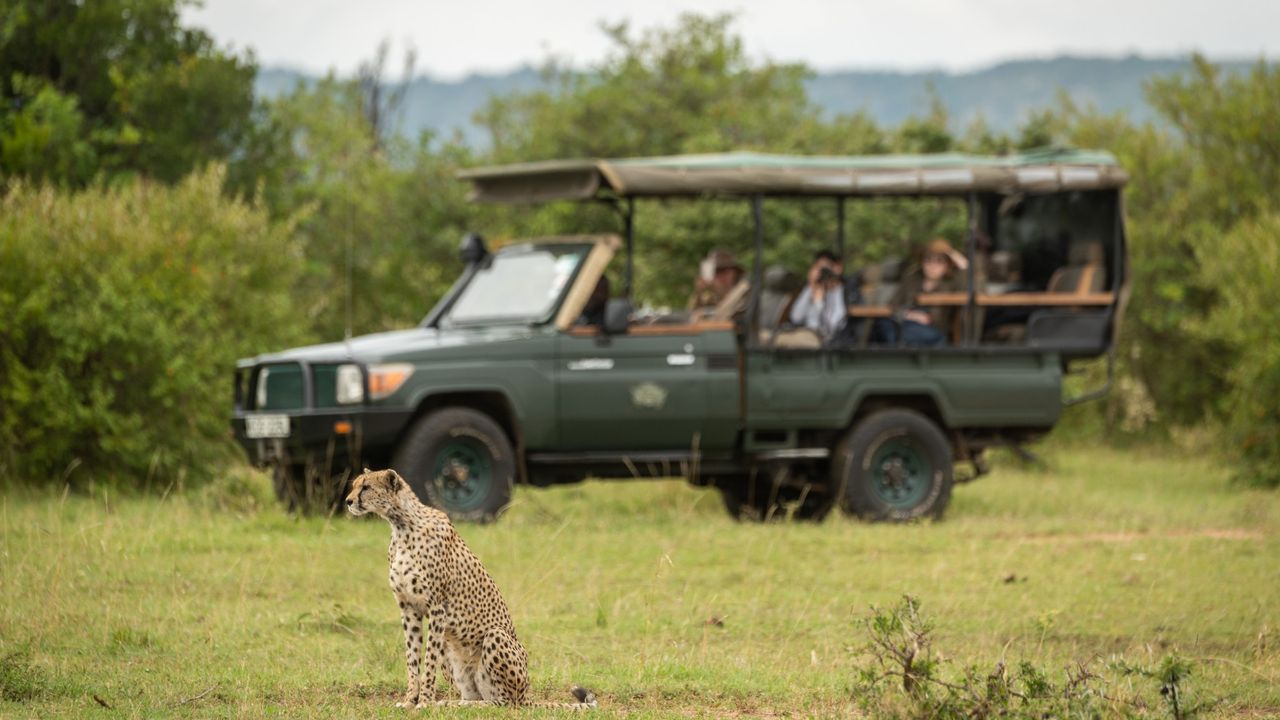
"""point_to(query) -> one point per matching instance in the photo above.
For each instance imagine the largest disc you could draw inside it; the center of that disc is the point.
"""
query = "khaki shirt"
(707, 297)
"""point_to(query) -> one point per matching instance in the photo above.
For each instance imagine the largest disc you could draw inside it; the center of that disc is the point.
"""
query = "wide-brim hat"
(723, 260)
(940, 246)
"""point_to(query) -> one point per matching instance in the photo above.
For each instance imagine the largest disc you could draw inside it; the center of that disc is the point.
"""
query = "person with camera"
(821, 305)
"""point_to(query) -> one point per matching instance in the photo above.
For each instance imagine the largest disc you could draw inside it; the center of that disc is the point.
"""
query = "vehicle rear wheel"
(895, 465)
(460, 461)
(760, 499)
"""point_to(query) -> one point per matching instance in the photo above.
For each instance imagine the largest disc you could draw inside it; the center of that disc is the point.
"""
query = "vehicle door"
(656, 387)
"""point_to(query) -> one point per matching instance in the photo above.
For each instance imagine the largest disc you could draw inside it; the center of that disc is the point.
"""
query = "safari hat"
(722, 259)
(940, 246)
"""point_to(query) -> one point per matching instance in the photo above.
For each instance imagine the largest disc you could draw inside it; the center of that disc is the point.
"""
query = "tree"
(380, 215)
(665, 91)
(116, 87)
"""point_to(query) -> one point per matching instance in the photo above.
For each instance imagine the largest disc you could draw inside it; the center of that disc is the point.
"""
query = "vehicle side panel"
(823, 390)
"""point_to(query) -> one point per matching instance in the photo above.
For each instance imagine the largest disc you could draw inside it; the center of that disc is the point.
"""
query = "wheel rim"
(463, 474)
(901, 474)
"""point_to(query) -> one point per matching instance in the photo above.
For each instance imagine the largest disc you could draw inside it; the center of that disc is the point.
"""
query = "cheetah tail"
(586, 700)
(585, 697)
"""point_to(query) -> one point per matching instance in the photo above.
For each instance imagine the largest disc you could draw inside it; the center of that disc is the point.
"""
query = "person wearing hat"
(939, 271)
(717, 274)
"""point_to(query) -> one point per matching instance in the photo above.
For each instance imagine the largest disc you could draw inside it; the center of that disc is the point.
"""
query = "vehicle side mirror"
(617, 316)
(472, 250)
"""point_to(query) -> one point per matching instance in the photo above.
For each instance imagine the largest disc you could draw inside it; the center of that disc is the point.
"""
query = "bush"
(124, 312)
(1243, 265)
(902, 677)
(239, 489)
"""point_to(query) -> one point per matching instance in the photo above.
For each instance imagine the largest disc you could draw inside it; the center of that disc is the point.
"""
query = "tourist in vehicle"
(821, 306)
(593, 311)
(939, 271)
(718, 272)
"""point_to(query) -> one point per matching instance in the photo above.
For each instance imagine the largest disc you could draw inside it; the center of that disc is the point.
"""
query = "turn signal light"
(386, 379)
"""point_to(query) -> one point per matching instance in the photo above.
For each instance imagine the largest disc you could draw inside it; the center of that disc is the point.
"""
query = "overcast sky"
(458, 37)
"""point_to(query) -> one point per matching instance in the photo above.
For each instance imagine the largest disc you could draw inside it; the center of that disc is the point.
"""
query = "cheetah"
(443, 590)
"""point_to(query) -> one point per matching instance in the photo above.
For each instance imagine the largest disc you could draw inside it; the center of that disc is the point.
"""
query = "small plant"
(1170, 675)
(901, 656)
(20, 681)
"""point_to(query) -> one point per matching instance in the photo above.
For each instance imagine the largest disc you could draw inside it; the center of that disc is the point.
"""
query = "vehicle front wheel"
(895, 465)
(460, 461)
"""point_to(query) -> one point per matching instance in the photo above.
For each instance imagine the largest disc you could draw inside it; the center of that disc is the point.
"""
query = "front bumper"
(315, 439)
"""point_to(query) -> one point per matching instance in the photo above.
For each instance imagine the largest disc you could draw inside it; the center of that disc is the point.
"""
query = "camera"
(827, 275)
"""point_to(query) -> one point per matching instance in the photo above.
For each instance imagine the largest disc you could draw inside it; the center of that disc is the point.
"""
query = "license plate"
(266, 426)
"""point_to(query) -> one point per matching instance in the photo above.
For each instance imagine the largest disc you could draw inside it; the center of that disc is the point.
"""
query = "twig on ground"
(102, 702)
(197, 697)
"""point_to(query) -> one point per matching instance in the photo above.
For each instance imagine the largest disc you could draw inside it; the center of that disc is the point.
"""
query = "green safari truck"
(506, 381)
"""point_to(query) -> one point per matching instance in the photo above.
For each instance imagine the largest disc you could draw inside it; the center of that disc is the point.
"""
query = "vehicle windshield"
(517, 285)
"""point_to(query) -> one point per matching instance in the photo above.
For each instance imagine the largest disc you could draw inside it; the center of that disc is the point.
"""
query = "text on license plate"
(266, 426)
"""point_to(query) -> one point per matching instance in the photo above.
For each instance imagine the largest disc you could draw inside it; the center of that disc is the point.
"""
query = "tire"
(896, 466)
(757, 499)
(460, 461)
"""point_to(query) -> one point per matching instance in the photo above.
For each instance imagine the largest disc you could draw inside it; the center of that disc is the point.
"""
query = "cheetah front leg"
(412, 621)
(434, 663)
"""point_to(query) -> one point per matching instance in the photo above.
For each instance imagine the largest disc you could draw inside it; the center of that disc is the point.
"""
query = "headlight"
(349, 385)
(386, 379)
(260, 393)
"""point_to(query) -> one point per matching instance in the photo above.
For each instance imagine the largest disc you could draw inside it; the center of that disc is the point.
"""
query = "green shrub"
(1243, 266)
(124, 311)
(238, 489)
(901, 676)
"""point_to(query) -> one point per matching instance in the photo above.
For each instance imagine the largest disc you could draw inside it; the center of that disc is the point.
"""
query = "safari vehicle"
(502, 384)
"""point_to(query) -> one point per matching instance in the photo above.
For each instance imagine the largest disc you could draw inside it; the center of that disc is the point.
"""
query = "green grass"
(171, 608)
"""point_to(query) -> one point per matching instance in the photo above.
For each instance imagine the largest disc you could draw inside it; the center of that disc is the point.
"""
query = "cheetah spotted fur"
(445, 594)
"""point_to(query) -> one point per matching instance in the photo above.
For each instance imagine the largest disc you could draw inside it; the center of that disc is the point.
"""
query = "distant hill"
(439, 106)
(1003, 94)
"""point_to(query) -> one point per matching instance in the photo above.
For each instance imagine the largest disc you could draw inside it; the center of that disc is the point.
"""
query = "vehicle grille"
(278, 387)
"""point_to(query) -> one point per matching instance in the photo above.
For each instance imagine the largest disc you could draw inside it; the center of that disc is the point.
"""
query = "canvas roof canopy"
(745, 174)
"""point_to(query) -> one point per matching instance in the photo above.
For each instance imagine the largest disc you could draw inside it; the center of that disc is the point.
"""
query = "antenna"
(350, 273)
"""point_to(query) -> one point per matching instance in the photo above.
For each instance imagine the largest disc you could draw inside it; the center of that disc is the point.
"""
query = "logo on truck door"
(649, 396)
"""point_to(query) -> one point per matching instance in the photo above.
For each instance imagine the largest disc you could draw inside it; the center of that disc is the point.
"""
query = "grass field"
(171, 608)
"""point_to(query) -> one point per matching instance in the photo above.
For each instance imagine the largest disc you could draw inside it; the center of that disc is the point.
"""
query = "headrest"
(891, 270)
(1085, 252)
(1001, 266)
(779, 279)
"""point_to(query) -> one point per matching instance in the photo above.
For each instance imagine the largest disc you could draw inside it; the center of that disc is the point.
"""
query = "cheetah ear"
(367, 471)
(394, 481)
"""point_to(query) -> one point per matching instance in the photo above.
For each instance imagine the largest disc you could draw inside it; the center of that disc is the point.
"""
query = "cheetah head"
(375, 491)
